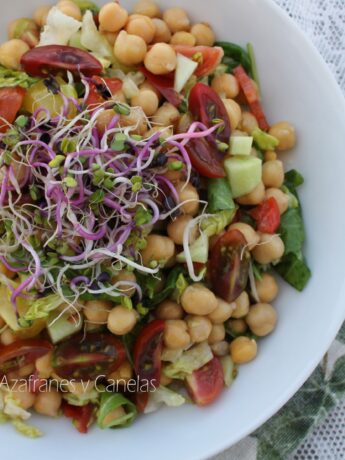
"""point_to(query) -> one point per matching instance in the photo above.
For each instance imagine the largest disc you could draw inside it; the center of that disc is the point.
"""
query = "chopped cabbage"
(163, 395)
(198, 251)
(13, 409)
(94, 41)
(190, 361)
(216, 223)
(27, 430)
(41, 308)
(59, 28)
(81, 399)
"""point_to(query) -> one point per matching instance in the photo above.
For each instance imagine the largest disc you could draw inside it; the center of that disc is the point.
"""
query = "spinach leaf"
(294, 271)
(169, 288)
(235, 55)
(292, 231)
(219, 196)
(293, 179)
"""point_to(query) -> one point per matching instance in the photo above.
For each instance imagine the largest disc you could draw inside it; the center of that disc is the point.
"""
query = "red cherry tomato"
(147, 353)
(140, 400)
(85, 358)
(206, 106)
(102, 89)
(20, 353)
(11, 100)
(52, 59)
(82, 415)
(228, 265)
(205, 158)
(165, 85)
(208, 56)
(206, 384)
(267, 216)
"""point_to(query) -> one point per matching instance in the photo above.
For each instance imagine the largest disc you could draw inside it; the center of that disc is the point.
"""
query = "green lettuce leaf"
(11, 78)
(264, 140)
(190, 361)
(219, 196)
(27, 430)
(163, 395)
(198, 251)
(41, 308)
(110, 402)
(82, 399)
(215, 224)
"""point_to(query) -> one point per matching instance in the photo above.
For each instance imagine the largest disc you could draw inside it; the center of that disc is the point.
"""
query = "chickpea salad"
(144, 213)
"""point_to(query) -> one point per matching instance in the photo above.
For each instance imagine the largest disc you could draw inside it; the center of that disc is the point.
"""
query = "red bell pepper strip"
(267, 216)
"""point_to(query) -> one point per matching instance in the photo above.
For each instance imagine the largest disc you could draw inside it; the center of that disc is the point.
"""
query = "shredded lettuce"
(27, 430)
(109, 403)
(170, 355)
(181, 286)
(59, 28)
(10, 78)
(229, 370)
(82, 399)
(198, 251)
(215, 224)
(263, 140)
(12, 407)
(163, 395)
(94, 41)
(41, 308)
(190, 361)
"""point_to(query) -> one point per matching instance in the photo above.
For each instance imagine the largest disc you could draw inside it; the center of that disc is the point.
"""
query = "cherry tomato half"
(140, 399)
(147, 353)
(267, 216)
(11, 100)
(205, 158)
(165, 85)
(20, 353)
(206, 106)
(82, 416)
(52, 59)
(102, 89)
(206, 384)
(85, 358)
(208, 56)
(228, 266)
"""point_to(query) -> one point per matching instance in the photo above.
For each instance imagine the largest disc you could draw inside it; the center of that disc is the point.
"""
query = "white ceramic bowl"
(297, 86)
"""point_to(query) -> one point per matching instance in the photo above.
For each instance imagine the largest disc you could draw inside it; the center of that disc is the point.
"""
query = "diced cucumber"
(198, 251)
(241, 145)
(184, 70)
(62, 327)
(244, 174)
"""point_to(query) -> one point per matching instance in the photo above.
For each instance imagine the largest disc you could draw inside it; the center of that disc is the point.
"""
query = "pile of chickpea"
(146, 37)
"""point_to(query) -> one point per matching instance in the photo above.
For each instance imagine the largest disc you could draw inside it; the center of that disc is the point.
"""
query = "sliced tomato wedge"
(20, 353)
(102, 89)
(267, 216)
(205, 158)
(206, 384)
(82, 416)
(251, 95)
(11, 100)
(164, 84)
(52, 59)
(228, 266)
(86, 357)
(208, 56)
(147, 353)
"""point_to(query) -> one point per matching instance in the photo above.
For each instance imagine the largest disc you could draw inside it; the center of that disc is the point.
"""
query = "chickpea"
(123, 277)
(11, 53)
(162, 33)
(281, 198)
(248, 232)
(270, 249)
(199, 328)
(273, 173)
(24, 29)
(176, 228)
(223, 312)
(286, 135)
(48, 403)
(238, 326)
(203, 34)
(70, 8)
(183, 38)
(243, 349)
(226, 86)
(122, 374)
(220, 349)
(188, 193)
(44, 365)
(147, 8)
(7, 337)
(184, 123)
(160, 59)
(267, 288)
(25, 398)
(129, 49)
(169, 310)
(166, 115)
(41, 14)
(234, 112)
(111, 37)
(158, 249)
(136, 120)
(97, 311)
(147, 100)
(26, 370)
(177, 19)
(164, 134)
(176, 334)
(112, 17)
(242, 306)
(262, 319)
(121, 320)
(142, 26)
(248, 123)
(217, 334)
(270, 155)
(147, 86)
(104, 119)
(256, 196)
(198, 300)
